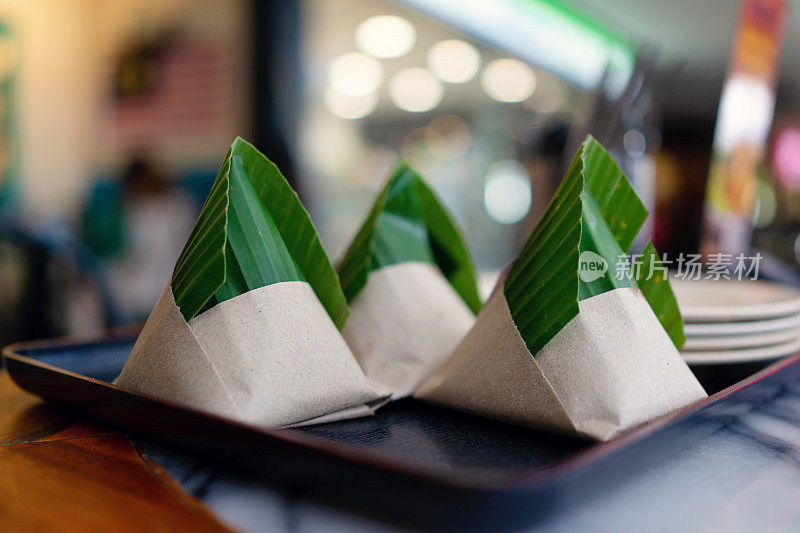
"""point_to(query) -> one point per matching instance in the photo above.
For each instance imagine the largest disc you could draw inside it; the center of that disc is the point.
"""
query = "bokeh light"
(797, 250)
(355, 74)
(348, 106)
(454, 61)
(507, 192)
(634, 143)
(448, 137)
(385, 36)
(508, 80)
(415, 151)
(786, 158)
(415, 90)
(766, 205)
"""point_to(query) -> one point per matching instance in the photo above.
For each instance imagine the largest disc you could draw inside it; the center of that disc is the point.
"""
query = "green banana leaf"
(252, 232)
(408, 223)
(595, 214)
(652, 280)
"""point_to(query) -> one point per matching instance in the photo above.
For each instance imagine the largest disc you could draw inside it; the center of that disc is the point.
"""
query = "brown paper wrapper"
(611, 368)
(404, 324)
(270, 357)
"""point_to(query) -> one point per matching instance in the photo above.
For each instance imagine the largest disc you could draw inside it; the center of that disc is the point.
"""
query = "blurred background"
(115, 115)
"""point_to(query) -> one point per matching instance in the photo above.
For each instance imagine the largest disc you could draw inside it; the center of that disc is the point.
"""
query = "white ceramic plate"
(754, 327)
(728, 342)
(733, 300)
(747, 355)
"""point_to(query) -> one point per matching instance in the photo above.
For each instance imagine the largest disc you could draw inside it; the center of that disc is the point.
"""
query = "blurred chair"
(50, 284)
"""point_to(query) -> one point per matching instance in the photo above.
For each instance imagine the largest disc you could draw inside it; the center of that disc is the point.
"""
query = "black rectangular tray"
(412, 462)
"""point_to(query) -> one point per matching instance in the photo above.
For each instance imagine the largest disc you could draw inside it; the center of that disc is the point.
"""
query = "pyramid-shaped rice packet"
(565, 342)
(248, 326)
(410, 284)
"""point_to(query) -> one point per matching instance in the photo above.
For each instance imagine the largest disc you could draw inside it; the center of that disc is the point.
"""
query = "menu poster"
(744, 119)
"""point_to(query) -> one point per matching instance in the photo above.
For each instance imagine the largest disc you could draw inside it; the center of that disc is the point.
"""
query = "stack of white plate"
(731, 321)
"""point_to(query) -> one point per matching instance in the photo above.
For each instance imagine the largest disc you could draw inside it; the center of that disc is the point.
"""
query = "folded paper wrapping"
(610, 368)
(404, 324)
(270, 357)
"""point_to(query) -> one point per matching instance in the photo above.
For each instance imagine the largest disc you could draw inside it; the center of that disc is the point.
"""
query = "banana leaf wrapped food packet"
(410, 284)
(248, 326)
(572, 339)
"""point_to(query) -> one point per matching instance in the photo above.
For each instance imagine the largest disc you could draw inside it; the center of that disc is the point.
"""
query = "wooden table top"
(61, 473)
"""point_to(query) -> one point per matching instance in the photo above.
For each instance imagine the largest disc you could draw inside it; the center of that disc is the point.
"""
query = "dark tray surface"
(433, 438)
(422, 452)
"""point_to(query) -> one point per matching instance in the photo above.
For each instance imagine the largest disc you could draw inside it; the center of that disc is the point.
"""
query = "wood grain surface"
(60, 473)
